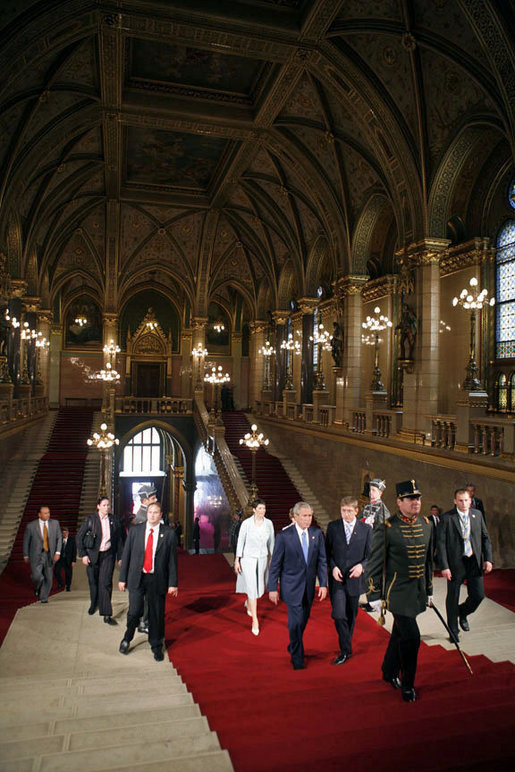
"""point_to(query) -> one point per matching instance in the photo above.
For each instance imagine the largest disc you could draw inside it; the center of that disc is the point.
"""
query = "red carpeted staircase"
(274, 485)
(58, 480)
(270, 717)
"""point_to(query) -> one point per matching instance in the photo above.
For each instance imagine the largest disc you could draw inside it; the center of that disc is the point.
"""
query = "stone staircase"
(73, 702)
(17, 478)
(322, 518)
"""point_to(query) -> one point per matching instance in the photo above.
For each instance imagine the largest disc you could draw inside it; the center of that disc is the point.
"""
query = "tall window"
(505, 286)
(143, 453)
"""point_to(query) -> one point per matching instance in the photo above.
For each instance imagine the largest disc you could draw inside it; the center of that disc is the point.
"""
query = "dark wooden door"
(148, 382)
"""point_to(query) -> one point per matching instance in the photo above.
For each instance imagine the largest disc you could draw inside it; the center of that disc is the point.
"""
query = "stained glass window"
(501, 392)
(505, 291)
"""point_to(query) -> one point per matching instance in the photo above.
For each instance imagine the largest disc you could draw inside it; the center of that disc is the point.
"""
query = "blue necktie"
(304, 542)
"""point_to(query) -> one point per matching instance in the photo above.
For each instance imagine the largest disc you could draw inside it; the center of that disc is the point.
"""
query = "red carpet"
(499, 586)
(270, 717)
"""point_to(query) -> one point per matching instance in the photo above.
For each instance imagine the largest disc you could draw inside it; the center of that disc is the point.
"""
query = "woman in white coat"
(253, 552)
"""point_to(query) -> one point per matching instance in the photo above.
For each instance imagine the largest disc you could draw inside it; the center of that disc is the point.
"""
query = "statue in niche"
(337, 345)
(407, 329)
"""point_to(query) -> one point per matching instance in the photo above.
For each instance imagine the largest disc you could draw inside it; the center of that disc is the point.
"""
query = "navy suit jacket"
(289, 567)
(345, 556)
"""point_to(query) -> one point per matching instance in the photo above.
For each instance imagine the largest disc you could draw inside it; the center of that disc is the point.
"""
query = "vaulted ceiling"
(212, 148)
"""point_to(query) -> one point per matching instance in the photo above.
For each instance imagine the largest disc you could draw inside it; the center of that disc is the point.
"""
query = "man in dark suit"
(41, 548)
(347, 545)
(475, 501)
(66, 561)
(464, 551)
(100, 558)
(149, 569)
(298, 558)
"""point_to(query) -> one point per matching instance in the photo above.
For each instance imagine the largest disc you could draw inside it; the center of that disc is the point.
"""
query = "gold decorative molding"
(31, 304)
(384, 286)
(475, 252)
(307, 305)
(18, 288)
(257, 327)
(199, 322)
(427, 251)
(280, 317)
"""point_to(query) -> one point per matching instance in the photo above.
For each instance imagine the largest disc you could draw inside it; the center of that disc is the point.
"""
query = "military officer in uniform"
(400, 572)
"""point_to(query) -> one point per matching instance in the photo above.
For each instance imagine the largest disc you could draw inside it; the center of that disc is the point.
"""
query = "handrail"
(213, 439)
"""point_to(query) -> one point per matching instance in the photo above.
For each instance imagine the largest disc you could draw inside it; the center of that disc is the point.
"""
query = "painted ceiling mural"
(206, 152)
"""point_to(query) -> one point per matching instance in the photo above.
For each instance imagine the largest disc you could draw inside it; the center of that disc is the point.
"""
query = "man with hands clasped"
(347, 545)
(464, 551)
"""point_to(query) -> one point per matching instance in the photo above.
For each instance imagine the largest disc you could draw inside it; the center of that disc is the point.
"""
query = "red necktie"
(149, 549)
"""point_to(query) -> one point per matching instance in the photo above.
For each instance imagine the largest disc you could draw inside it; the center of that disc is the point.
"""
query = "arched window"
(501, 391)
(511, 394)
(142, 454)
(505, 286)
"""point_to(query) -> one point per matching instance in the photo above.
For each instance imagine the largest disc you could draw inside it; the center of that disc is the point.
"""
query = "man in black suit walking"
(149, 569)
(297, 560)
(347, 545)
(66, 560)
(464, 551)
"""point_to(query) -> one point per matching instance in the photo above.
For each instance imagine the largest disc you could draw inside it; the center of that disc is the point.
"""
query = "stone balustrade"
(18, 410)
(443, 431)
(159, 406)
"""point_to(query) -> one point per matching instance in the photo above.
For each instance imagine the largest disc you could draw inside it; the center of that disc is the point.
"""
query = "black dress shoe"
(143, 629)
(110, 621)
(366, 607)
(44, 600)
(124, 647)
(298, 666)
(408, 695)
(393, 681)
(158, 655)
(67, 589)
(91, 610)
(341, 659)
(464, 624)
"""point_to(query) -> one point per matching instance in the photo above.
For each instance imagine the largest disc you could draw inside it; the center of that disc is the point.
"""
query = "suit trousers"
(475, 592)
(402, 651)
(68, 573)
(100, 578)
(156, 611)
(297, 620)
(41, 574)
(345, 609)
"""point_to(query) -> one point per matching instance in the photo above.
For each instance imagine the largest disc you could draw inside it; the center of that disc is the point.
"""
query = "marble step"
(214, 761)
(131, 717)
(104, 738)
(33, 713)
(80, 686)
(100, 759)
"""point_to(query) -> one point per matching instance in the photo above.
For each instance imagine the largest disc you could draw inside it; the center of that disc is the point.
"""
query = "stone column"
(257, 364)
(420, 392)
(238, 392)
(188, 366)
(307, 309)
(280, 319)
(348, 381)
(56, 337)
(45, 318)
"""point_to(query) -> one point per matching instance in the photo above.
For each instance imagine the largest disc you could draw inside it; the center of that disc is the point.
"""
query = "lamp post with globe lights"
(267, 352)
(473, 300)
(103, 442)
(199, 353)
(321, 338)
(254, 440)
(291, 347)
(216, 378)
(375, 325)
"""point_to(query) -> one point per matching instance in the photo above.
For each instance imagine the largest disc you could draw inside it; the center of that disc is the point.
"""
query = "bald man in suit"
(42, 543)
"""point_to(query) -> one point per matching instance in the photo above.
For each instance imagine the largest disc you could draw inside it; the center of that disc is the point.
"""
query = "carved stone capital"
(475, 252)
(45, 315)
(199, 322)
(31, 304)
(307, 305)
(427, 252)
(18, 288)
(257, 326)
(349, 285)
(280, 317)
